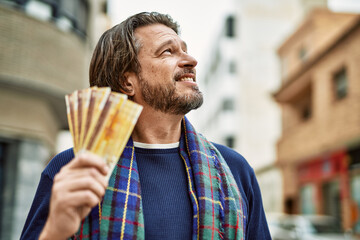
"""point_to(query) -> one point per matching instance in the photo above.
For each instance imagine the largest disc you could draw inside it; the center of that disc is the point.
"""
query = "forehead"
(155, 34)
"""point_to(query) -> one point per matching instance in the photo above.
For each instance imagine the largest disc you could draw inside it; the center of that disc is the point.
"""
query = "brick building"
(45, 49)
(319, 150)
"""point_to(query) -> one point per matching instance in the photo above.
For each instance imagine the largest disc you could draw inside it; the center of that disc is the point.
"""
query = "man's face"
(168, 77)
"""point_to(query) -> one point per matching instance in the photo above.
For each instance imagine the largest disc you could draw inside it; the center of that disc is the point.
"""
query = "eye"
(167, 51)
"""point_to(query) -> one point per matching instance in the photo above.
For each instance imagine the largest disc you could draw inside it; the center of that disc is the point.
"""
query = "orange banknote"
(101, 122)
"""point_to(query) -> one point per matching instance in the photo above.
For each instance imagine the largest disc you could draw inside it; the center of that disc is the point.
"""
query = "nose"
(187, 61)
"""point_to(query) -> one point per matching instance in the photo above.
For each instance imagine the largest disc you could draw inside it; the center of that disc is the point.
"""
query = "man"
(170, 182)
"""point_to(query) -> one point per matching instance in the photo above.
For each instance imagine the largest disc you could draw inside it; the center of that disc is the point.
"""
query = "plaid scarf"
(217, 203)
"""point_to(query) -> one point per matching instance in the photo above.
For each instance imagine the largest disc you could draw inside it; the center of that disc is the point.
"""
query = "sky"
(199, 20)
(345, 5)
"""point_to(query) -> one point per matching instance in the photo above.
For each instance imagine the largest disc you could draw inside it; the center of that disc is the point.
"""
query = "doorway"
(331, 199)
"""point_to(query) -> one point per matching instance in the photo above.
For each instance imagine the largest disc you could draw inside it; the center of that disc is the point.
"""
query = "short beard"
(164, 98)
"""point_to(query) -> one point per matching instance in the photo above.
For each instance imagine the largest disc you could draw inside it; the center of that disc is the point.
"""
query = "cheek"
(160, 71)
(154, 70)
(149, 71)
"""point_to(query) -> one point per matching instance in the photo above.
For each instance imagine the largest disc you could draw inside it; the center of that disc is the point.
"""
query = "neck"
(155, 127)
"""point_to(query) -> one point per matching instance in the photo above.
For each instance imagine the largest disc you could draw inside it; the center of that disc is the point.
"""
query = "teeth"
(186, 79)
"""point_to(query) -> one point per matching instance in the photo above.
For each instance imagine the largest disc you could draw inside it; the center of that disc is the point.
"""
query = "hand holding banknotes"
(78, 187)
(100, 123)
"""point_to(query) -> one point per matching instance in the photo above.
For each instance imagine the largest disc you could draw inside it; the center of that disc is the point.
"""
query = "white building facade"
(242, 73)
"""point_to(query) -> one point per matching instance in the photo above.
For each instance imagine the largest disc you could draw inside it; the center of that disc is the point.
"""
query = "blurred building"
(242, 74)
(319, 150)
(45, 47)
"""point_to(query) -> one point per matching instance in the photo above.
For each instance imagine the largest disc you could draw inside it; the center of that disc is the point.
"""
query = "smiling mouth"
(185, 79)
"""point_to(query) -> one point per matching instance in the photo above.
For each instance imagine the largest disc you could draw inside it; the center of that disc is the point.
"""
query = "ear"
(129, 84)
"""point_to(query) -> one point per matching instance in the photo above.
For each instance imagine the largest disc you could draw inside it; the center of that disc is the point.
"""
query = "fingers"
(82, 180)
(88, 159)
(77, 188)
(86, 175)
(84, 198)
(78, 199)
(66, 212)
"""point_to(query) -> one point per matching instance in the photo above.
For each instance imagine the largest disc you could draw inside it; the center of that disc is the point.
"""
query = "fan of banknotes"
(101, 122)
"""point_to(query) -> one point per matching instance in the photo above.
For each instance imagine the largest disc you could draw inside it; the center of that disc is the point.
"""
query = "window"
(228, 104)
(215, 62)
(302, 104)
(39, 10)
(232, 66)
(8, 177)
(104, 7)
(307, 194)
(2, 179)
(67, 14)
(354, 155)
(355, 193)
(230, 141)
(230, 27)
(75, 13)
(306, 111)
(340, 84)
